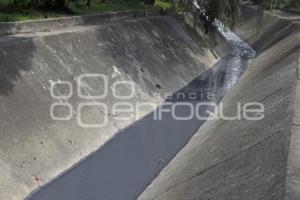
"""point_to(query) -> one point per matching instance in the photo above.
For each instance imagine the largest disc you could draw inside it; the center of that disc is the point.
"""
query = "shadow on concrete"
(157, 53)
(16, 55)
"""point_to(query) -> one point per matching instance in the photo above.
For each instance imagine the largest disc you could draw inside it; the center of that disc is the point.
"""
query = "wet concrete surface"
(123, 168)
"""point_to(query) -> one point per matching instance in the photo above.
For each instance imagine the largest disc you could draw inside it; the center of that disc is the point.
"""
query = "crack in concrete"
(271, 94)
(298, 67)
(293, 124)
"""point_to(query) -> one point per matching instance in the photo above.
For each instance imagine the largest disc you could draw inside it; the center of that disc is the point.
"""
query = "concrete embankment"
(124, 167)
(155, 53)
(243, 159)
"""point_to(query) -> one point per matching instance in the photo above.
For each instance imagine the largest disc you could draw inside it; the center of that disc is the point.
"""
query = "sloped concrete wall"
(154, 53)
(247, 159)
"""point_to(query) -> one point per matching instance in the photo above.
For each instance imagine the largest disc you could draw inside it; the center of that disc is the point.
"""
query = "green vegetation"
(225, 10)
(293, 8)
(79, 7)
(163, 4)
(228, 11)
(18, 10)
(279, 4)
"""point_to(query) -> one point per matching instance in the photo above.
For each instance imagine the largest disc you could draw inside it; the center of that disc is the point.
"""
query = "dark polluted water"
(125, 166)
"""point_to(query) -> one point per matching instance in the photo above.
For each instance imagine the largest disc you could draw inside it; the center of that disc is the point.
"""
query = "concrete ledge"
(10, 28)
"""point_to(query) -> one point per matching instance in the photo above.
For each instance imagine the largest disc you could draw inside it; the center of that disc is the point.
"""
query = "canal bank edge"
(46, 25)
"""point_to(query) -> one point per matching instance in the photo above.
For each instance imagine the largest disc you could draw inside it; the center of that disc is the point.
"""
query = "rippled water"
(125, 166)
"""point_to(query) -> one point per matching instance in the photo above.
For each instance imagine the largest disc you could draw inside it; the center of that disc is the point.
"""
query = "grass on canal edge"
(78, 8)
(97, 6)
